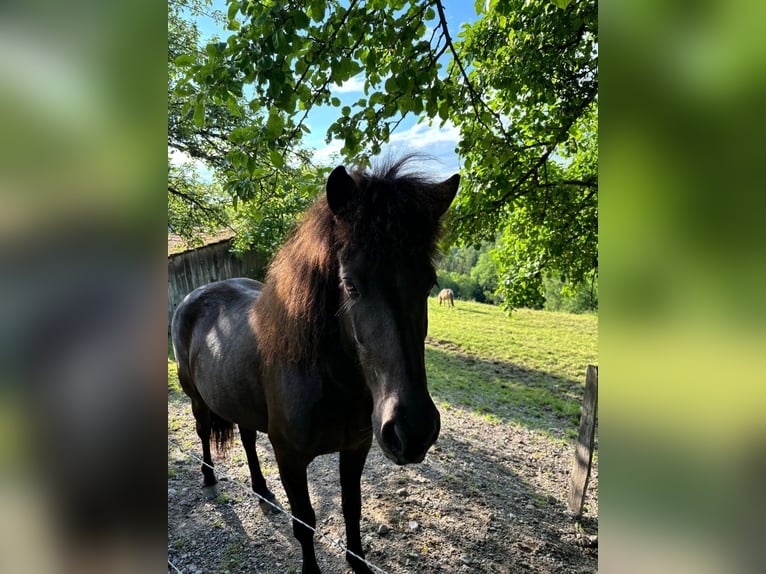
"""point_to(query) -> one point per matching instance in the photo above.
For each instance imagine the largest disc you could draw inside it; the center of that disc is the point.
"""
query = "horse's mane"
(391, 217)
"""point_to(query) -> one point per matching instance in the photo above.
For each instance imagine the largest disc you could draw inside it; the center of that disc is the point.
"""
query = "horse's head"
(387, 229)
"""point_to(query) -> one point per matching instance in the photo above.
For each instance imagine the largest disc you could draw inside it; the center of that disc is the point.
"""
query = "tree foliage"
(520, 84)
(562, 296)
(251, 190)
(195, 207)
(474, 274)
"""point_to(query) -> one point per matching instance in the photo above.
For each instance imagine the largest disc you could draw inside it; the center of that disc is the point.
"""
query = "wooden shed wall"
(196, 267)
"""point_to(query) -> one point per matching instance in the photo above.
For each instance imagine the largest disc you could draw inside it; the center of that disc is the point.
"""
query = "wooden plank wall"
(196, 267)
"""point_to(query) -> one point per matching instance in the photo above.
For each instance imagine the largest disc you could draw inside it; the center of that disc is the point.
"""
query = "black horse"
(330, 351)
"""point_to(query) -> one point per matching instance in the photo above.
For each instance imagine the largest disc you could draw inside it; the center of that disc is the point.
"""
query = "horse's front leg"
(292, 471)
(351, 465)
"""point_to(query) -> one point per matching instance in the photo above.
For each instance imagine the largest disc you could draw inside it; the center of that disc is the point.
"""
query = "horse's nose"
(394, 440)
(407, 441)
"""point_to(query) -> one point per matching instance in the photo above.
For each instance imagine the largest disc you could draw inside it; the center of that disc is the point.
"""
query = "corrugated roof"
(177, 244)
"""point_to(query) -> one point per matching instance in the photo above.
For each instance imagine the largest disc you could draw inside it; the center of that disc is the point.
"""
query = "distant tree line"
(473, 274)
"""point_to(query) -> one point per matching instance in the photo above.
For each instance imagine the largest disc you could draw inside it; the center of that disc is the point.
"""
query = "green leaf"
(231, 103)
(276, 158)
(301, 19)
(199, 113)
(214, 49)
(301, 66)
(233, 7)
(185, 60)
(335, 102)
(444, 109)
(317, 10)
(275, 124)
(562, 3)
(371, 61)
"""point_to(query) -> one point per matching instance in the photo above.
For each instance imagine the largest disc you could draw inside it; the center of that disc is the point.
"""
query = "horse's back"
(206, 304)
(217, 350)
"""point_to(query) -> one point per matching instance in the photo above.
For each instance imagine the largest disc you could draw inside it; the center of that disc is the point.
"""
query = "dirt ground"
(489, 497)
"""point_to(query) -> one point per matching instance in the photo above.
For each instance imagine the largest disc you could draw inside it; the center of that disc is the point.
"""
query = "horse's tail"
(223, 432)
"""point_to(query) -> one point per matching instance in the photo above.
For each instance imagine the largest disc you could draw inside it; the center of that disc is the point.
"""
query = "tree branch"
(579, 182)
(476, 100)
(197, 203)
(316, 94)
(515, 190)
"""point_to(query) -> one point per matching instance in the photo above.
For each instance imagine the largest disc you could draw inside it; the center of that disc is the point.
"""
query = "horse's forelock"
(393, 213)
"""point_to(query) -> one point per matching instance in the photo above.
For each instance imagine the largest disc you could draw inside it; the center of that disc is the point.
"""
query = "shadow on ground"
(490, 497)
(502, 391)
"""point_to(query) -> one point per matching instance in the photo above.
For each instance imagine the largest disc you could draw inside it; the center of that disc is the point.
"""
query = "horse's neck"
(340, 359)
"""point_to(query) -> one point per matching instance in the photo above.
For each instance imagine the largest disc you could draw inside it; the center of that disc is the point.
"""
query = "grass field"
(528, 369)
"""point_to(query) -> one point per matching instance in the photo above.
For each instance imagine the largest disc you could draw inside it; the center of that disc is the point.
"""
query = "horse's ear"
(444, 193)
(340, 188)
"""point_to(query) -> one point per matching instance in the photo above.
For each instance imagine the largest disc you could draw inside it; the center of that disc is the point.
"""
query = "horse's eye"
(349, 286)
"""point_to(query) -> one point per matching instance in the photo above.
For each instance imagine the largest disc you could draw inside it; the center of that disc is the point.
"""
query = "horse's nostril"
(392, 438)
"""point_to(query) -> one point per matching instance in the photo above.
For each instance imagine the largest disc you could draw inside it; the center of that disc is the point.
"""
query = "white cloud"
(355, 84)
(179, 158)
(327, 155)
(437, 144)
(424, 136)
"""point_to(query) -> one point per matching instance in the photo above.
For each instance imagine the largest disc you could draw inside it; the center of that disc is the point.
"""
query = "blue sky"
(408, 137)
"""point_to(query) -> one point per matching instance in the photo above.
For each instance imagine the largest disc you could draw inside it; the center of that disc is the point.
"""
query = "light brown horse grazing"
(447, 296)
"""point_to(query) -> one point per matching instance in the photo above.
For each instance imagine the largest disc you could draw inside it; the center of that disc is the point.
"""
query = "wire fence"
(335, 544)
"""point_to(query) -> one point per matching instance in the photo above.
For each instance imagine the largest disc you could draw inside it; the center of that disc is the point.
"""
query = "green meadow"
(528, 369)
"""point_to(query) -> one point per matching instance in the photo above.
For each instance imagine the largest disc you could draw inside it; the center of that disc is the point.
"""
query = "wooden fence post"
(578, 479)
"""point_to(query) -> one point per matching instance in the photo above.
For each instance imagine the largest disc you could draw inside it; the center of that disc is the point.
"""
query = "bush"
(485, 276)
(561, 296)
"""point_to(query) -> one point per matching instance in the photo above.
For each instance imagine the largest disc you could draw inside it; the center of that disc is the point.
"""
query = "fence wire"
(333, 543)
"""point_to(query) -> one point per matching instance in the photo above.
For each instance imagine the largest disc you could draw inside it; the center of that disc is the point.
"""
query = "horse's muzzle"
(406, 440)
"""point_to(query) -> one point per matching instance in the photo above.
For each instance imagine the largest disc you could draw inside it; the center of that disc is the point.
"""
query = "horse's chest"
(340, 423)
(328, 424)
(342, 431)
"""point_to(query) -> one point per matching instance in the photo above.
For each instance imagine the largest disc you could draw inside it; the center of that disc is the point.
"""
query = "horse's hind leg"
(202, 417)
(259, 483)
